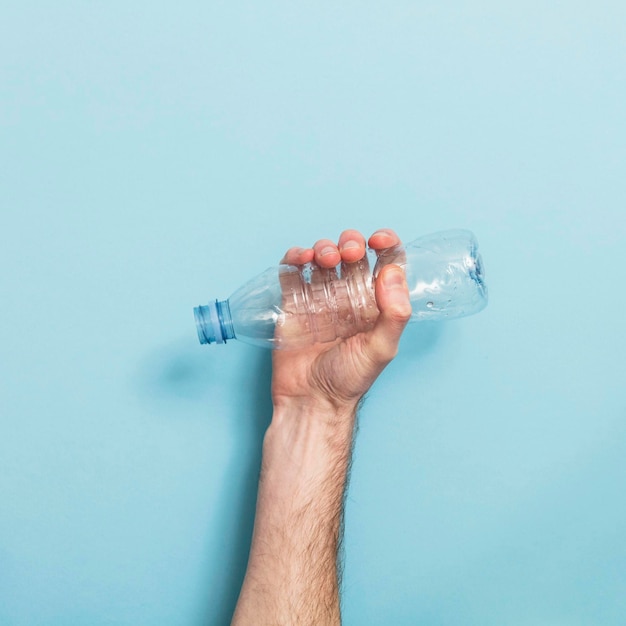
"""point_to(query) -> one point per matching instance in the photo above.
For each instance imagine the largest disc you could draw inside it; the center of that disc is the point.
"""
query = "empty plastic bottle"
(292, 306)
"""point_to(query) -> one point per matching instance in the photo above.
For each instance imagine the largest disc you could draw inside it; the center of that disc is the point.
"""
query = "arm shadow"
(237, 500)
(182, 379)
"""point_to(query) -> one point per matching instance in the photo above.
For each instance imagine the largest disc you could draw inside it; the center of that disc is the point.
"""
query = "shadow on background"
(179, 379)
(237, 501)
(181, 371)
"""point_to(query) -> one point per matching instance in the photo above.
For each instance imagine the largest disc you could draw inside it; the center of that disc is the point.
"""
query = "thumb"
(392, 298)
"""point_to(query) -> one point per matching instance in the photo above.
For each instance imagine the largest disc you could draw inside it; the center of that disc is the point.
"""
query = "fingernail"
(350, 245)
(328, 250)
(381, 232)
(392, 279)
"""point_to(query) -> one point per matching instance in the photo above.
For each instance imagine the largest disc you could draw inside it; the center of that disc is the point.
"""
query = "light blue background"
(156, 155)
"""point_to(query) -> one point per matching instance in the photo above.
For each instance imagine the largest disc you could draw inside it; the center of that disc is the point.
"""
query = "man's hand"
(292, 576)
(336, 375)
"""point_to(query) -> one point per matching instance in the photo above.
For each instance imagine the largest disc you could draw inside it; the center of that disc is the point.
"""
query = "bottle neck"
(214, 322)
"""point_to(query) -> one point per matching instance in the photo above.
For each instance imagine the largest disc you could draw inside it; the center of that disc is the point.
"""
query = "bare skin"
(293, 571)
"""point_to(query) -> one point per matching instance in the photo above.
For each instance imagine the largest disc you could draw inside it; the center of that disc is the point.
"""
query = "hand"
(335, 375)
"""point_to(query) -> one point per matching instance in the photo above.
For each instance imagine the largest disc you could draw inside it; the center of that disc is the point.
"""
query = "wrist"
(322, 412)
(307, 444)
(313, 424)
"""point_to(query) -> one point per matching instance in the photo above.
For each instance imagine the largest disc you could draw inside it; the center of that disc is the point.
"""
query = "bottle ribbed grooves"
(359, 289)
(330, 292)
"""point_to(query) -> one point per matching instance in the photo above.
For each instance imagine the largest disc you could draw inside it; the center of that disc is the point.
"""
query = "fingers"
(383, 238)
(388, 248)
(392, 299)
(326, 253)
(298, 256)
(350, 248)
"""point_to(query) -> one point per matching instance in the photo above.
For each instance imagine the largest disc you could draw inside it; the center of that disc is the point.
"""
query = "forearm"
(292, 576)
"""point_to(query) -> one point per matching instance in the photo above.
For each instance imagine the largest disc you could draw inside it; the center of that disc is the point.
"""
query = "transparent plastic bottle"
(291, 306)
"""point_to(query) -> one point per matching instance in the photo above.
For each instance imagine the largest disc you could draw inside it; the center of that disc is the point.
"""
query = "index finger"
(383, 238)
(388, 248)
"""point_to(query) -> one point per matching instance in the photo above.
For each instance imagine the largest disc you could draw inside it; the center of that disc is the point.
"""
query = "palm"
(337, 371)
